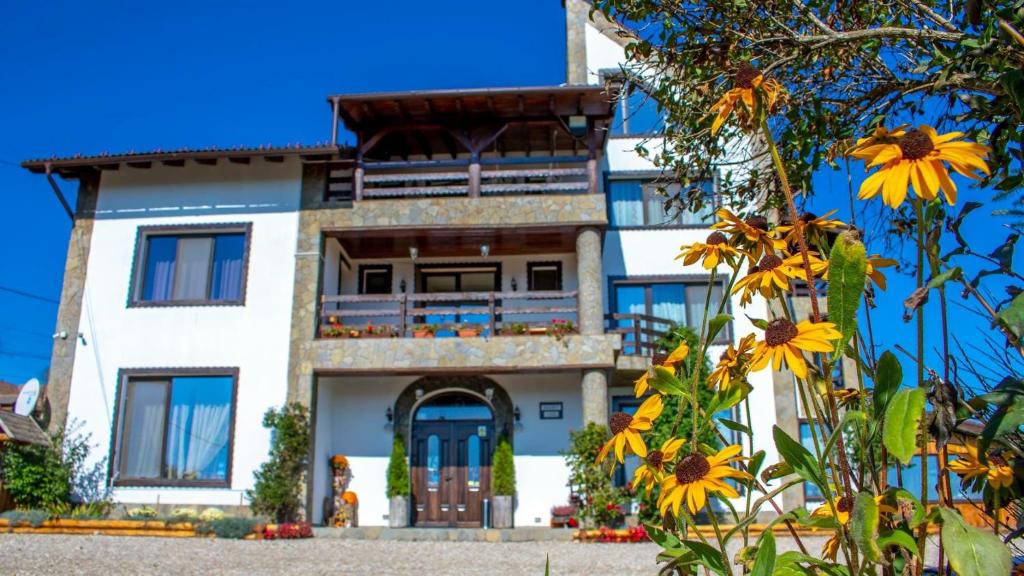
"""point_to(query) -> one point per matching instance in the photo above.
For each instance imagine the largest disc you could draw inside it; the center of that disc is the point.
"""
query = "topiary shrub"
(277, 492)
(231, 528)
(503, 470)
(398, 470)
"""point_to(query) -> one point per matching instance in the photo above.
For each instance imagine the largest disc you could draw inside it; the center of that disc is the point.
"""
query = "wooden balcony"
(640, 332)
(448, 314)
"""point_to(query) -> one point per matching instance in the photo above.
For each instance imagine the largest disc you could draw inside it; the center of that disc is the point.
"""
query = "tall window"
(187, 266)
(175, 430)
(681, 303)
(635, 203)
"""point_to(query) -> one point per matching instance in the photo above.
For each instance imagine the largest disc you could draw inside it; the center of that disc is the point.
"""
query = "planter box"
(501, 512)
(398, 512)
(468, 333)
(422, 334)
(106, 527)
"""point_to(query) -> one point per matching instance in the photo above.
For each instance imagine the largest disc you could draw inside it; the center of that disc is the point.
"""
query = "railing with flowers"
(462, 314)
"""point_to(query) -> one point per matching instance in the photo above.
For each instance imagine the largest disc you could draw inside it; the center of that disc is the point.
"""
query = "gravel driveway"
(110, 555)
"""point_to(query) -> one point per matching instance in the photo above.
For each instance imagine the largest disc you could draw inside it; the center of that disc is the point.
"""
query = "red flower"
(573, 523)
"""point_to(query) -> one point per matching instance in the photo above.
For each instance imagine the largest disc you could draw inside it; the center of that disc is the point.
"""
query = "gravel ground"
(110, 555)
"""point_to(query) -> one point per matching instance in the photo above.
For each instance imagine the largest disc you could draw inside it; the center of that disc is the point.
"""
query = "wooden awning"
(21, 429)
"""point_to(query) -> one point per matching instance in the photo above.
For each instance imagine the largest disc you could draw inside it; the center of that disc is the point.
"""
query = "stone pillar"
(69, 314)
(590, 314)
(576, 17)
(595, 397)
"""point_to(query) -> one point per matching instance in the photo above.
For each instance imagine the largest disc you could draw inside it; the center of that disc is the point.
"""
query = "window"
(175, 430)
(635, 203)
(543, 276)
(176, 266)
(912, 480)
(681, 303)
(375, 279)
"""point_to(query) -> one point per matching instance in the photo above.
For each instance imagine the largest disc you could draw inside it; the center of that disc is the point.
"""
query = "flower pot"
(468, 333)
(398, 512)
(422, 334)
(501, 512)
(538, 330)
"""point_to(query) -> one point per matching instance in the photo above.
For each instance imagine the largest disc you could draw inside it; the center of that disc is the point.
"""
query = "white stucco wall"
(351, 421)
(253, 338)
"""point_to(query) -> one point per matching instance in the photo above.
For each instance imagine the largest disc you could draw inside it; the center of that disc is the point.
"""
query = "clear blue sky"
(118, 76)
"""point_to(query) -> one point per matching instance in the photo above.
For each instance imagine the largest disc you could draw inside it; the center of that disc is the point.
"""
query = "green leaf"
(971, 551)
(734, 426)
(1006, 420)
(663, 538)
(847, 269)
(731, 396)
(888, 377)
(864, 526)
(764, 562)
(1012, 317)
(900, 538)
(664, 381)
(716, 324)
(848, 417)
(754, 467)
(758, 322)
(917, 516)
(798, 458)
(902, 419)
(954, 273)
(709, 557)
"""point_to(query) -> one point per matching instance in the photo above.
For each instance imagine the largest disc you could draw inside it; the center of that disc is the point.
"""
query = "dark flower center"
(655, 458)
(997, 459)
(759, 222)
(915, 145)
(659, 358)
(715, 238)
(692, 468)
(619, 422)
(808, 217)
(844, 504)
(769, 262)
(745, 76)
(754, 268)
(779, 331)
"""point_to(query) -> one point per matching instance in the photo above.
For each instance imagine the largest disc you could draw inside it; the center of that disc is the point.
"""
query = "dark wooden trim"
(419, 274)
(529, 273)
(363, 268)
(139, 256)
(117, 426)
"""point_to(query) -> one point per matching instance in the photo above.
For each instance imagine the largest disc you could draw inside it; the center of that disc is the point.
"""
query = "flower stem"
(922, 444)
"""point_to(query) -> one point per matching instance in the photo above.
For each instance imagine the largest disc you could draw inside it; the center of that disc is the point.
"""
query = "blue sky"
(118, 76)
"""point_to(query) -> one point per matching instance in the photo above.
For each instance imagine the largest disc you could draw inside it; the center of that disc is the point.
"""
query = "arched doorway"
(452, 439)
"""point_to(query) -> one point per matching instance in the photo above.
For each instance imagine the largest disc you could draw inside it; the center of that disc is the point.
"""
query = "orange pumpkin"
(350, 498)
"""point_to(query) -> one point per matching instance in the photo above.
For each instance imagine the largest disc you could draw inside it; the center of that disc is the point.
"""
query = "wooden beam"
(277, 159)
(114, 166)
(175, 163)
(206, 161)
(239, 159)
(143, 165)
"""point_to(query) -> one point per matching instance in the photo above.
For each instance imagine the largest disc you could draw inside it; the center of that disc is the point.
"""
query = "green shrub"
(591, 483)
(141, 513)
(277, 492)
(503, 470)
(398, 470)
(232, 528)
(33, 518)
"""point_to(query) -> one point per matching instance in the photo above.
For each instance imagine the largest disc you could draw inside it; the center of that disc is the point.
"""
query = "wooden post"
(474, 175)
(357, 178)
(490, 313)
(402, 307)
(636, 335)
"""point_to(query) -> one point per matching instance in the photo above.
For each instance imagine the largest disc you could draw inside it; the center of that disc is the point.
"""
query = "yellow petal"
(870, 187)
(636, 443)
(894, 191)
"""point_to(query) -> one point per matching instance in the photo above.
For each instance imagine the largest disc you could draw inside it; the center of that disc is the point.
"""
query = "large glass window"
(911, 474)
(680, 303)
(190, 268)
(634, 203)
(453, 407)
(176, 430)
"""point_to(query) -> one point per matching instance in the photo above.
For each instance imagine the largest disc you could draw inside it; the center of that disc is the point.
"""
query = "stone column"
(69, 314)
(595, 397)
(588, 277)
(576, 17)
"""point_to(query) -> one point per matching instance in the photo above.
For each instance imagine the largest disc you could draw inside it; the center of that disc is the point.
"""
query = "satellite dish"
(26, 402)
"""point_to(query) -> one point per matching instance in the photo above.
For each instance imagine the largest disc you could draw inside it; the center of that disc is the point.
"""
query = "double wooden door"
(451, 472)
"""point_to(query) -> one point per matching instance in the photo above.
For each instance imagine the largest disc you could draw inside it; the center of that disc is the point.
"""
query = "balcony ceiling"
(455, 242)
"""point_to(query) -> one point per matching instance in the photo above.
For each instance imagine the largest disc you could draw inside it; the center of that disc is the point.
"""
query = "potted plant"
(467, 330)
(424, 331)
(515, 329)
(562, 515)
(559, 328)
(503, 485)
(398, 488)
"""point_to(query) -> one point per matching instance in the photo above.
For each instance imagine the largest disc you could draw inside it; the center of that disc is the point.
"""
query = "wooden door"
(431, 504)
(451, 463)
(471, 472)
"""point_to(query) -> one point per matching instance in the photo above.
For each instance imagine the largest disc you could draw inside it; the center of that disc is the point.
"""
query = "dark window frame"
(646, 179)
(117, 427)
(724, 336)
(136, 283)
(386, 268)
(423, 271)
(556, 264)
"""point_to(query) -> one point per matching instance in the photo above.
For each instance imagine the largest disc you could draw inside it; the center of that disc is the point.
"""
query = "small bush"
(211, 514)
(33, 518)
(141, 513)
(288, 531)
(280, 480)
(398, 470)
(503, 471)
(231, 528)
(90, 510)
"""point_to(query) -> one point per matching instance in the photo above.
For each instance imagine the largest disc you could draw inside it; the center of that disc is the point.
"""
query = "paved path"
(110, 555)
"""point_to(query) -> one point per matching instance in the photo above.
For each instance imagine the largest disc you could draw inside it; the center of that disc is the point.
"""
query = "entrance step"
(532, 534)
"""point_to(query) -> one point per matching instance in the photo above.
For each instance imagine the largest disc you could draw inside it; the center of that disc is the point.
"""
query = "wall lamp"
(390, 415)
(402, 286)
(517, 414)
(414, 252)
(515, 285)
(485, 250)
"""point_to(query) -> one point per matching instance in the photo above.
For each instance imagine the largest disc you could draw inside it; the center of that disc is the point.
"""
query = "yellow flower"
(997, 471)
(626, 429)
(641, 385)
(751, 234)
(714, 250)
(771, 276)
(784, 340)
(649, 473)
(843, 506)
(732, 363)
(815, 227)
(918, 156)
(874, 263)
(747, 80)
(695, 476)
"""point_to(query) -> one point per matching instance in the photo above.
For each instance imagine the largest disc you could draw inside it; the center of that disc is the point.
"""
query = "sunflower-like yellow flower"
(695, 475)
(843, 507)
(771, 276)
(732, 364)
(649, 473)
(713, 250)
(626, 429)
(815, 228)
(751, 235)
(747, 80)
(673, 360)
(918, 156)
(784, 340)
(997, 472)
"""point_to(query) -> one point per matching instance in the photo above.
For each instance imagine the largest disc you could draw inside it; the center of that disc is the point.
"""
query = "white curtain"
(193, 268)
(143, 434)
(160, 255)
(627, 203)
(229, 283)
(695, 297)
(668, 302)
(197, 434)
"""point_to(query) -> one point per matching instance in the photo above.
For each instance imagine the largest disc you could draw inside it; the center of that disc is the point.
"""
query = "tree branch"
(884, 32)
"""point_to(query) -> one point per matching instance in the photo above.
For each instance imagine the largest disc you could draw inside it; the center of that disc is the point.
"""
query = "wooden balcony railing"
(444, 314)
(462, 177)
(640, 332)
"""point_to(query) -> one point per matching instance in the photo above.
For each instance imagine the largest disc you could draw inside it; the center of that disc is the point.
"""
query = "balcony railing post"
(474, 176)
(636, 335)
(490, 314)
(402, 307)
